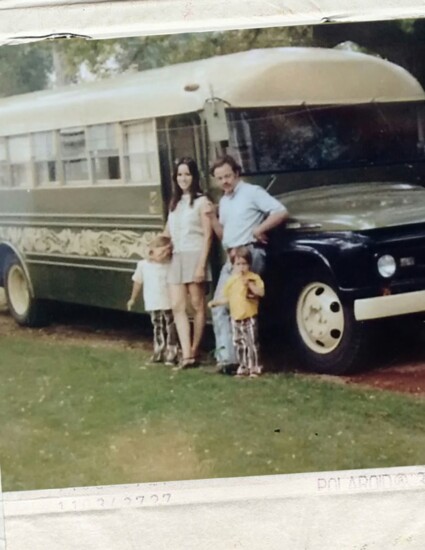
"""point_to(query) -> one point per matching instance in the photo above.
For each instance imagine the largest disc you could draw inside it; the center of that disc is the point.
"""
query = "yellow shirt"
(242, 304)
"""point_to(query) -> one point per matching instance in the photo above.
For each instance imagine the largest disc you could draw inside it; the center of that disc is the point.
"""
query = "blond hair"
(159, 241)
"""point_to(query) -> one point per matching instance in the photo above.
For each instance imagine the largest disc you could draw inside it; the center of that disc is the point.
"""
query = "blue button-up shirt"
(243, 210)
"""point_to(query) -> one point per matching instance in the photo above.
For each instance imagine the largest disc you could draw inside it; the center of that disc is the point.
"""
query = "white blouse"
(185, 225)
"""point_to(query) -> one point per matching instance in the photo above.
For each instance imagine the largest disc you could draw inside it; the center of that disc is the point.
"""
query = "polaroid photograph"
(212, 255)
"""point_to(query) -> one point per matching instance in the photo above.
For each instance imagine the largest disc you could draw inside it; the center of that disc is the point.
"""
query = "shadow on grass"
(111, 323)
(390, 343)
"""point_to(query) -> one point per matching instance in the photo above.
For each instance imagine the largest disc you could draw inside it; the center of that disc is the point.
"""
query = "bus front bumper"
(379, 307)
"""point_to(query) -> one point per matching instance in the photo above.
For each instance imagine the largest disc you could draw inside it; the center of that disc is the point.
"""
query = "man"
(246, 213)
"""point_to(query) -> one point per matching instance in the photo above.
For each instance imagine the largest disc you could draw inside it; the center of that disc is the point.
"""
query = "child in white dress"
(152, 274)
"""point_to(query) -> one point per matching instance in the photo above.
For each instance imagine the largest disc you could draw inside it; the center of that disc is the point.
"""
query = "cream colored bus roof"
(256, 78)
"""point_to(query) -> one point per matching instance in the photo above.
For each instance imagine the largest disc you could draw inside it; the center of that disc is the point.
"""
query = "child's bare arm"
(258, 290)
(218, 302)
(134, 294)
(166, 231)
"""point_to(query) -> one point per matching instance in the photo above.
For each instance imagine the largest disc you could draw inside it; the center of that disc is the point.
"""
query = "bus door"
(180, 136)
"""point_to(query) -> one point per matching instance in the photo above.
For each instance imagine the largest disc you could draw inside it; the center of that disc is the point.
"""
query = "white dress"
(187, 236)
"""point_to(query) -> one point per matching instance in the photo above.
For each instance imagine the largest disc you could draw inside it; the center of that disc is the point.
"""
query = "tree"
(29, 67)
(35, 66)
(402, 42)
(105, 57)
(24, 68)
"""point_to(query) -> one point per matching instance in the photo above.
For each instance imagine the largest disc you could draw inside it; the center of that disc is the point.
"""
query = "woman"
(191, 233)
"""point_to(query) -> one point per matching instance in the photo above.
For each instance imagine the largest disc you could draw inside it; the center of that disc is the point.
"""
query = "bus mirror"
(215, 116)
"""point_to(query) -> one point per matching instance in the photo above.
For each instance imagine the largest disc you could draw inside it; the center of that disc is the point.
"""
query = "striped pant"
(245, 340)
(165, 341)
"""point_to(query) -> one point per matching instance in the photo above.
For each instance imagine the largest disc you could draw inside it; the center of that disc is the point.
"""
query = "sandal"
(188, 363)
(197, 359)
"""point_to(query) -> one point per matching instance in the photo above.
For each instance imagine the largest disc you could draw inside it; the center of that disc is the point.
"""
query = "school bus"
(85, 179)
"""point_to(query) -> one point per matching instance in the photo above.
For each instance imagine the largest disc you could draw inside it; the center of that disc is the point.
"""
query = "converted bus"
(337, 136)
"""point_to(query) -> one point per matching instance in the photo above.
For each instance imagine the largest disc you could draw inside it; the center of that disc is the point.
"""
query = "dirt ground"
(402, 370)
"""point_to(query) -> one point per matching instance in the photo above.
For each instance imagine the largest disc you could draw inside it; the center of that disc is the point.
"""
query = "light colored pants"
(225, 353)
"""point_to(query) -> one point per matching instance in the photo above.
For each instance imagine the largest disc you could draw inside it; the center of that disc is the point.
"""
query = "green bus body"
(74, 253)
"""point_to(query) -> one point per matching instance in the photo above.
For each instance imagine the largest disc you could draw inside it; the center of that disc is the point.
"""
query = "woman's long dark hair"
(195, 190)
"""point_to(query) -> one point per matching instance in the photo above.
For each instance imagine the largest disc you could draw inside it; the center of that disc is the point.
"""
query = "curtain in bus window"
(45, 158)
(141, 152)
(271, 140)
(74, 156)
(4, 175)
(103, 150)
(20, 159)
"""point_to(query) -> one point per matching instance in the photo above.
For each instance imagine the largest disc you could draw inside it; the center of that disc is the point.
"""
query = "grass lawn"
(74, 416)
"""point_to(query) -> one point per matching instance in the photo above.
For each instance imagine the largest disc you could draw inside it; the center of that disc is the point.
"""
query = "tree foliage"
(402, 42)
(30, 67)
(24, 68)
(141, 53)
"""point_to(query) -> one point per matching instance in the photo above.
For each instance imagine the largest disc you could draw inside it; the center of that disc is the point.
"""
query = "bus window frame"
(6, 163)
(28, 184)
(99, 182)
(49, 184)
(125, 154)
(64, 159)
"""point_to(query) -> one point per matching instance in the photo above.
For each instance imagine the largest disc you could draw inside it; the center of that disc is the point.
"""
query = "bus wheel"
(23, 307)
(326, 337)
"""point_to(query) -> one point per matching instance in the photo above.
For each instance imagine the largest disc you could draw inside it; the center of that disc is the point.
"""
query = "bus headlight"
(386, 266)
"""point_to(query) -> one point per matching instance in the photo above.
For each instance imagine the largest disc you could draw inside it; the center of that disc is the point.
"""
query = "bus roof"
(255, 78)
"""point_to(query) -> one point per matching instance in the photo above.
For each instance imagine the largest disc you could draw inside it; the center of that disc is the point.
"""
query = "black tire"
(26, 310)
(324, 335)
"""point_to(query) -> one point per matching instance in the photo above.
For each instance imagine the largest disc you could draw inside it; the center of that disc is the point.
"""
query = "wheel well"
(294, 265)
(282, 274)
(5, 252)
(8, 251)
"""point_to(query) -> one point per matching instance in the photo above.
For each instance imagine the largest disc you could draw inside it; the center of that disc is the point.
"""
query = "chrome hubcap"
(320, 317)
(18, 291)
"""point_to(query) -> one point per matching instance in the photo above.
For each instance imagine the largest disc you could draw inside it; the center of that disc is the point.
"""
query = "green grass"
(75, 416)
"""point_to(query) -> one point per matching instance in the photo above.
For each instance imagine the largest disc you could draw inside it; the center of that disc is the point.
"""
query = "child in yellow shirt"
(242, 292)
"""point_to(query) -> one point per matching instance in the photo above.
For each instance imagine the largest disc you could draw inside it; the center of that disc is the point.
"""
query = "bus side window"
(141, 152)
(103, 151)
(45, 158)
(20, 160)
(4, 171)
(74, 155)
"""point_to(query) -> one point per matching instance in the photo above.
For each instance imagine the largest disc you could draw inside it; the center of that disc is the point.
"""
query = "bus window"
(20, 160)
(74, 155)
(302, 138)
(45, 158)
(141, 152)
(103, 150)
(184, 137)
(180, 136)
(4, 171)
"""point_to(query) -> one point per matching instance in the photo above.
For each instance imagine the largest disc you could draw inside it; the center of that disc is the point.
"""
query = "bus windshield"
(282, 139)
